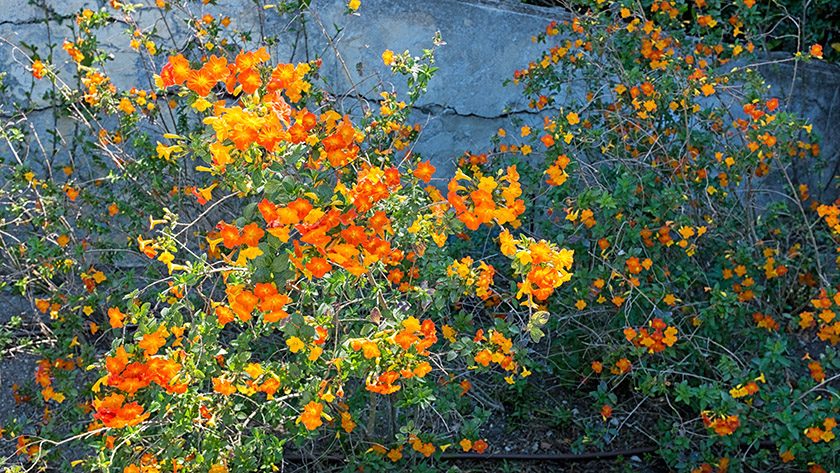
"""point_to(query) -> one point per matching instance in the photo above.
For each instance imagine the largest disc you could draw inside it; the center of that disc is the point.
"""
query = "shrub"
(236, 266)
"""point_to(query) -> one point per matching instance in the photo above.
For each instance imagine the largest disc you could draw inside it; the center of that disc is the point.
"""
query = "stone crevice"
(39, 21)
(441, 110)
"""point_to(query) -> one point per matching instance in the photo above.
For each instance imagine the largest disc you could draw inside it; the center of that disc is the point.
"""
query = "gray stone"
(815, 95)
(466, 103)
(485, 44)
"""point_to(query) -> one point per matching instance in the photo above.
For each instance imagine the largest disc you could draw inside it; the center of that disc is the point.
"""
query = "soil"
(17, 367)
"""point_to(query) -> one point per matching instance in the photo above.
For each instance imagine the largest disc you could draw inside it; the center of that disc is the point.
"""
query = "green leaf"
(539, 318)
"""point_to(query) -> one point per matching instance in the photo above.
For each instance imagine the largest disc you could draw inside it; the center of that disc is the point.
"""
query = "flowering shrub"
(246, 268)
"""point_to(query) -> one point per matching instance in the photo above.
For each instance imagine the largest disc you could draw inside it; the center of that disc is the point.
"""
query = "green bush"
(235, 271)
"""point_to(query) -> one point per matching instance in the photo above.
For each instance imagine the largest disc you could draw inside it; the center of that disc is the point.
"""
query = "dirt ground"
(17, 365)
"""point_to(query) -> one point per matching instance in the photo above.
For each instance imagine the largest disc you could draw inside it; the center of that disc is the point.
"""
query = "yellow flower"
(315, 353)
(254, 370)
(165, 152)
(295, 345)
(201, 105)
(388, 57)
(126, 107)
(166, 258)
(449, 333)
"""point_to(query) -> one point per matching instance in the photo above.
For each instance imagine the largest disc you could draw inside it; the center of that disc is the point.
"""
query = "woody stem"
(372, 416)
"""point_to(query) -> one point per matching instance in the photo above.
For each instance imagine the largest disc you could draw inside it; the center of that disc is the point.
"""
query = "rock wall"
(815, 94)
(486, 40)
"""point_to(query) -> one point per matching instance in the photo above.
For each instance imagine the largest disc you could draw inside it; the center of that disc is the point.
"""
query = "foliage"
(237, 265)
(777, 25)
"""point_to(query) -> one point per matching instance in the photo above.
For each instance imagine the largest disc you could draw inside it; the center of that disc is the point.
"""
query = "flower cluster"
(543, 266)
(662, 336)
(487, 200)
(481, 277)
(723, 424)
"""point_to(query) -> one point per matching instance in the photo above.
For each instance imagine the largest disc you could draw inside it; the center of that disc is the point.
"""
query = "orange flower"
(43, 305)
(250, 80)
(354, 235)
(224, 314)
(243, 305)
(426, 449)
(394, 454)
(115, 364)
(483, 357)
(273, 306)
(126, 107)
(384, 384)
(301, 208)
(479, 446)
(465, 387)
(38, 69)
(424, 171)
(814, 433)
(223, 387)
(548, 141)
(817, 51)
(180, 69)
(380, 222)
(116, 317)
(251, 234)
(724, 425)
(318, 267)
(347, 422)
(201, 82)
(230, 235)
(114, 414)
(370, 349)
(217, 68)
(622, 366)
(816, 371)
(72, 193)
(787, 457)
(311, 416)
(264, 290)
(423, 369)
(405, 339)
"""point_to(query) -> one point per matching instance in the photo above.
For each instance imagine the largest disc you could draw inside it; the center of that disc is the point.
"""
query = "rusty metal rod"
(585, 456)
